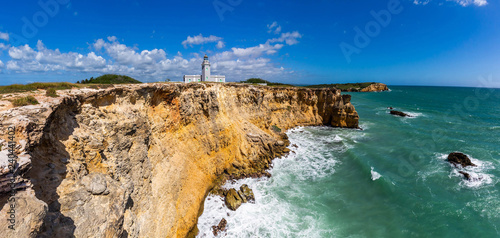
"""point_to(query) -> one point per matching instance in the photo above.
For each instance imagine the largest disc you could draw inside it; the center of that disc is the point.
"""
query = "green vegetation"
(259, 80)
(344, 86)
(28, 100)
(19, 88)
(51, 92)
(276, 129)
(110, 79)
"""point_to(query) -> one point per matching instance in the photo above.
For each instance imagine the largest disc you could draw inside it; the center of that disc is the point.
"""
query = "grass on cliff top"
(19, 88)
(259, 80)
(24, 101)
(343, 86)
(110, 79)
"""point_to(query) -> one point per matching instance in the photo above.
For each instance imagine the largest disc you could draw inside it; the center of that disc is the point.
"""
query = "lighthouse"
(205, 69)
(205, 74)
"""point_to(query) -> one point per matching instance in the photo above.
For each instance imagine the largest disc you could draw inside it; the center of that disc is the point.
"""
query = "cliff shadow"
(49, 159)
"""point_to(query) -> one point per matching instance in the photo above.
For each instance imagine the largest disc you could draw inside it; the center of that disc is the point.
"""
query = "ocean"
(390, 179)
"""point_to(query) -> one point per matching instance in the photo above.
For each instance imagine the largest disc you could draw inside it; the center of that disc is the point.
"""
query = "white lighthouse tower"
(205, 74)
(205, 69)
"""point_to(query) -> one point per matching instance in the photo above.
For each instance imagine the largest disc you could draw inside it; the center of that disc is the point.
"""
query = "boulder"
(457, 158)
(248, 193)
(233, 200)
(95, 183)
(398, 113)
(219, 228)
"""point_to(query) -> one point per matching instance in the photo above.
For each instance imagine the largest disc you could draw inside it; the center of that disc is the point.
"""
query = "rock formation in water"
(139, 160)
(398, 113)
(457, 158)
(376, 87)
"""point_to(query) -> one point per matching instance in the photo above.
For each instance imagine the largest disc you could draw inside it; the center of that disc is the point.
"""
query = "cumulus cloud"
(220, 45)
(1, 64)
(274, 27)
(200, 40)
(290, 38)
(43, 59)
(4, 36)
(4, 46)
(110, 56)
(463, 3)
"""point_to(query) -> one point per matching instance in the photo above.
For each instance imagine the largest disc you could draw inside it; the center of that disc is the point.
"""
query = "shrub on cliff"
(110, 79)
(28, 100)
(51, 92)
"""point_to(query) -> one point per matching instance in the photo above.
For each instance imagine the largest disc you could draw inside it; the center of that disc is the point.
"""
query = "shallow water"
(388, 180)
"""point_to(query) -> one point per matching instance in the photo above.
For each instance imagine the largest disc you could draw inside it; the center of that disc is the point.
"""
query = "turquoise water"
(388, 180)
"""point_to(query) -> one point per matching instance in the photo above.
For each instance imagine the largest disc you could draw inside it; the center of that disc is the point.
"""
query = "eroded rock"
(233, 199)
(457, 158)
(219, 228)
(398, 113)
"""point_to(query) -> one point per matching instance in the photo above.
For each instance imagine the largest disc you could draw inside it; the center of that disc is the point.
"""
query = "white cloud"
(256, 51)
(111, 38)
(200, 40)
(4, 46)
(274, 27)
(4, 36)
(43, 60)
(1, 64)
(110, 56)
(463, 3)
(220, 45)
(290, 38)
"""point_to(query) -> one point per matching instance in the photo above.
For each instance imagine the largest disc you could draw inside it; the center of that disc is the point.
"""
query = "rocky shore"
(138, 160)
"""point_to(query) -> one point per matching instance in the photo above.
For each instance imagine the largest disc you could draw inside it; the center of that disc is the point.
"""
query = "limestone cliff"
(138, 160)
(375, 87)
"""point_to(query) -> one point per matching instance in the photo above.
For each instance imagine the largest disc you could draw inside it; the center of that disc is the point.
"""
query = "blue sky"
(412, 42)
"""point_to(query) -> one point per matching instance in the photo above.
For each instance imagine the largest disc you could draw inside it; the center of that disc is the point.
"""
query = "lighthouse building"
(205, 74)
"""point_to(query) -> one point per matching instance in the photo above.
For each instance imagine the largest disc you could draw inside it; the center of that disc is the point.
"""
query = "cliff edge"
(138, 160)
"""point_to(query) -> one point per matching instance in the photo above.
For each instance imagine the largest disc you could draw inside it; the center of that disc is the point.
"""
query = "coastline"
(219, 128)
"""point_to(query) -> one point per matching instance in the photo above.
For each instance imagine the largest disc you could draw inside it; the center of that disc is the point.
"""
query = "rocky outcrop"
(219, 228)
(233, 199)
(138, 160)
(398, 113)
(457, 158)
(375, 87)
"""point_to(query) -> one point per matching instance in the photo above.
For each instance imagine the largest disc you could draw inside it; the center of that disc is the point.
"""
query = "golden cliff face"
(140, 159)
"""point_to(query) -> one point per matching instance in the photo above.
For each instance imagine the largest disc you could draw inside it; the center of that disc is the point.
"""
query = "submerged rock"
(233, 199)
(466, 175)
(219, 228)
(457, 158)
(398, 113)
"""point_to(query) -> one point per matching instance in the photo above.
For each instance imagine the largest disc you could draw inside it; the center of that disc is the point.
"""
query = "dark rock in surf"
(390, 108)
(247, 193)
(401, 114)
(457, 158)
(219, 228)
(466, 175)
